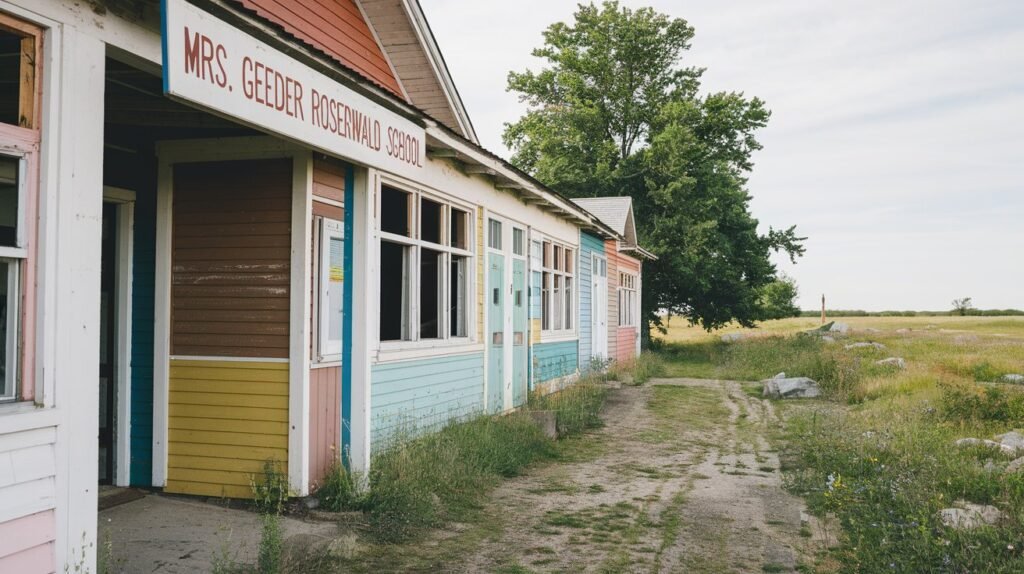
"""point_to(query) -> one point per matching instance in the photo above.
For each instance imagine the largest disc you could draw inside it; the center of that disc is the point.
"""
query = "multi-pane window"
(558, 264)
(330, 289)
(20, 51)
(425, 263)
(627, 300)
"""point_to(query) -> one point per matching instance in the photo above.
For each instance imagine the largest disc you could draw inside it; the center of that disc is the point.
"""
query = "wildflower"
(1009, 547)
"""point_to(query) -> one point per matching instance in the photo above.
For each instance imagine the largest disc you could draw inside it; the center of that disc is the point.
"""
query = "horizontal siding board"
(414, 396)
(226, 418)
(25, 533)
(555, 360)
(35, 560)
(26, 498)
(213, 261)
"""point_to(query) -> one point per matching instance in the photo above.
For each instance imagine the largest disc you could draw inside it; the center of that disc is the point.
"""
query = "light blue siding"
(554, 360)
(588, 246)
(421, 395)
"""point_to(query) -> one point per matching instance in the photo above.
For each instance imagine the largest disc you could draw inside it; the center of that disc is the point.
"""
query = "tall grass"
(419, 482)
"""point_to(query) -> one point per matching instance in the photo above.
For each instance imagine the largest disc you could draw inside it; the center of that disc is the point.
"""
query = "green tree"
(614, 112)
(963, 306)
(778, 299)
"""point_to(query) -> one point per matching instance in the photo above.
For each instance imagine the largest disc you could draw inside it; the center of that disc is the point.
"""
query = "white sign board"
(209, 63)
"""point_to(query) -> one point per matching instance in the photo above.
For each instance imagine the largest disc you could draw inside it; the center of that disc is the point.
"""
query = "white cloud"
(896, 139)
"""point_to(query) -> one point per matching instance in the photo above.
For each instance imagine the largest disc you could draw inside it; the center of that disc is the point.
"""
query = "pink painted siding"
(26, 544)
(611, 250)
(324, 421)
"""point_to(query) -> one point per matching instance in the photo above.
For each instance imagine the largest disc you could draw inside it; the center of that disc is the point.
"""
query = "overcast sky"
(896, 142)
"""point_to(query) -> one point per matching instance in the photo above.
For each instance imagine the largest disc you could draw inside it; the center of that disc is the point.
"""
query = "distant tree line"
(953, 313)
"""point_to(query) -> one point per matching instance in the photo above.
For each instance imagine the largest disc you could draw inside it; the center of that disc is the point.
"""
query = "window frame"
(627, 290)
(327, 350)
(412, 337)
(554, 272)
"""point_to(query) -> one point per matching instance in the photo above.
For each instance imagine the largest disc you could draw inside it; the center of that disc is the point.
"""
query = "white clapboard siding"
(27, 469)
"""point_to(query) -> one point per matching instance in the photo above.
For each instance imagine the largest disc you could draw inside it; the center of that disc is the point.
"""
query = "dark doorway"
(108, 343)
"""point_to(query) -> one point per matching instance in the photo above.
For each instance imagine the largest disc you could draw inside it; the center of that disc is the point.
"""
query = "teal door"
(496, 333)
(519, 332)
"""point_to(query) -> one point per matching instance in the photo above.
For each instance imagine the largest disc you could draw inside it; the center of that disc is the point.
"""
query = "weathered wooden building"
(234, 231)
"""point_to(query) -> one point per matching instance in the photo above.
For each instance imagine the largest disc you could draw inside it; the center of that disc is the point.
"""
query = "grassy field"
(879, 452)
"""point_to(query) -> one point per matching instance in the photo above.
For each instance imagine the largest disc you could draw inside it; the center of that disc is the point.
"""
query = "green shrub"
(982, 403)
(648, 366)
(271, 490)
(271, 545)
(577, 408)
(420, 482)
(341, 489)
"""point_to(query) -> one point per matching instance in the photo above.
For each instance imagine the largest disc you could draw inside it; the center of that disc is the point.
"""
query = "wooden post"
(822, 308)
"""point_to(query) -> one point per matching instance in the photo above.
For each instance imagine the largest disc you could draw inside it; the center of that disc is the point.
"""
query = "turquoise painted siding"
(143, 266)
(588, 246)
(554, 360)
(420, 395)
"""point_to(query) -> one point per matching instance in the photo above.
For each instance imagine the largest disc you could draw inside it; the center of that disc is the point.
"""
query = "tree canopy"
(615, 112)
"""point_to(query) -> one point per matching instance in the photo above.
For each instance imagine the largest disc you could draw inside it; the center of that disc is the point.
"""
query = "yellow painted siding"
(226, 418)
(480, 274)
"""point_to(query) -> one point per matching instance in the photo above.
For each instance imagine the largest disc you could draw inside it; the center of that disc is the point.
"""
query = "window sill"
(557, 336)
(26, 415)
(325, 364)
(405, 350)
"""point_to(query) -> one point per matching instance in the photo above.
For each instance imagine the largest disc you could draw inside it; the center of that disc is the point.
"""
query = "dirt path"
(680, 479)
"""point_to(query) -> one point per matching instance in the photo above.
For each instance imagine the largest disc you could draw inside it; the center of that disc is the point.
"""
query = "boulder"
(1017, 465)
(864, 345)
(1012, 439)
(897, 362)
(732, 337)
(1013, 379)
(839, 328)
(965, 515)
(791, 388)
(346, 546)
(547, 422)
(977, 442)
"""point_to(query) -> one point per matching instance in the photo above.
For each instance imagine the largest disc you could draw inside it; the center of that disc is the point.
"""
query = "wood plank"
(228, 400)
(223, 304)
(176, 486)
(231, 387)
(230, 351)
(213, 463)
(230, 365)
(217, 476)
(228, 438)
(259, 454)
(225, 425)
(228, 413)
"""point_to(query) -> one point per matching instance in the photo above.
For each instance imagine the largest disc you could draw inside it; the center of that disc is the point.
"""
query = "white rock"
(781, 375)
(1012, 439)
(1014, 379)
(732, 337)
(793, 388)
(968, 442)
(897, 362)
(827, 339)
(966, 515)
(864, 345)
(839, 328)
(1016, 466)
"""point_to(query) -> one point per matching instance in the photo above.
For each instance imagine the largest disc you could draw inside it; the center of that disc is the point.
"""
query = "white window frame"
(548, 279)
(416, 245)
(327, 350)
(15, 258)
(627, 299)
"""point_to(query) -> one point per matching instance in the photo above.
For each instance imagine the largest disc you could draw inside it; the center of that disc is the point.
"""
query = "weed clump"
(577, 408)
(974, 402)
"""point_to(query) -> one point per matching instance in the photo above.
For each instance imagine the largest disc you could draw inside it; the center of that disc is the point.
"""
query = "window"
(518, 242)
(330, 289)
(20, 48)
(494, 234)
(627, 300)
(425, 265)
(558, 264)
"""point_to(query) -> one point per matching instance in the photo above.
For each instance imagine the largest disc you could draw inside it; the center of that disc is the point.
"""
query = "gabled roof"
(403, 32)
(617, 213)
